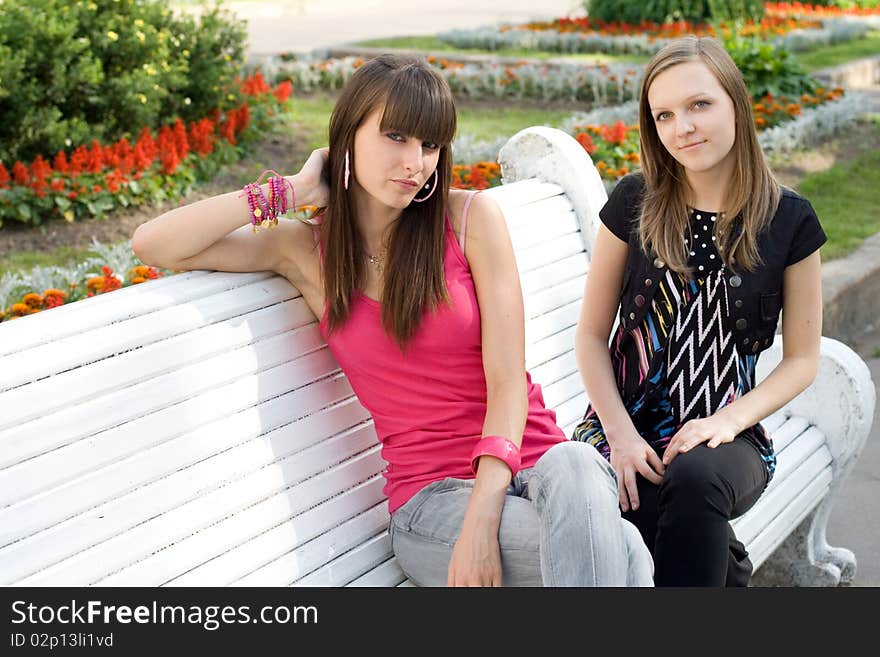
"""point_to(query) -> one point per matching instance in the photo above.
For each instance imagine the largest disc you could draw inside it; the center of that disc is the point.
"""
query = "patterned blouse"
(681, 363)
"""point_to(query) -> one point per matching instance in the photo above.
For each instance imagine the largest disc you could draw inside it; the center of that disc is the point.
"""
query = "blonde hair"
(418, 102)
(753, 193)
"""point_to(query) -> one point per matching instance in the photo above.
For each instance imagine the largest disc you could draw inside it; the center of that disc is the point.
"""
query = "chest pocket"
(771, 304)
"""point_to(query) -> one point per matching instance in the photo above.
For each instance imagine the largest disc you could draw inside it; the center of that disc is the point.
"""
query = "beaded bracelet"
(265, 212)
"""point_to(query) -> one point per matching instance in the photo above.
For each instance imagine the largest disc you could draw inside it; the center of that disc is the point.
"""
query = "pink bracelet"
(499, 447)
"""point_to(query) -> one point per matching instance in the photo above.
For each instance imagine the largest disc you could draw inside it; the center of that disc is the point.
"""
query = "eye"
(662, 116)
(702, 103)
(395, 136)
(430, 145)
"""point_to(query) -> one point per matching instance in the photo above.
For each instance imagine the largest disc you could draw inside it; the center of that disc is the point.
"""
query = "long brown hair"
(417, 102)
(753, 193)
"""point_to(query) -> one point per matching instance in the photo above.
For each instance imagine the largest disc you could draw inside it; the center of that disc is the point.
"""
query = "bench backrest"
(196, 430)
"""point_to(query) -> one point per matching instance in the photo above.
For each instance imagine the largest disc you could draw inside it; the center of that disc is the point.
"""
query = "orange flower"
(32, 300)
(760, 121)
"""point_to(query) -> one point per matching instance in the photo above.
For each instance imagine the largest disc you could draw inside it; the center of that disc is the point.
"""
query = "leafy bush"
(105, 69)
(768, 68)
(663, 11)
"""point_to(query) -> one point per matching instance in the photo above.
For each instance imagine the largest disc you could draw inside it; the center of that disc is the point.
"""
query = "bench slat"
(64, 433)
(351, 565)
(99, 433)
(790, 517)
(284, 502)
(82, 383)
(552, 275)
(124, 303)
(546, 253)
(553, 322)
(550, 209)
(73, 351)
(523, 192)
(155, 493)
(385, 574)
(554, 297)
(192, 562)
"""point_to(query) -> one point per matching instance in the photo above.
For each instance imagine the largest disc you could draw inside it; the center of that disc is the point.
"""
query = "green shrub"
(664, 11)
(769, 69)
(105, 69)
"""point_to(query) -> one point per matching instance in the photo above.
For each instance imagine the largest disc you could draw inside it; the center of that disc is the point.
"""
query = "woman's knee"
(574, 469)
(690, 480)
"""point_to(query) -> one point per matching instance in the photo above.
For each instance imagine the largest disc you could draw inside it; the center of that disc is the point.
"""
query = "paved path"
(305, 25)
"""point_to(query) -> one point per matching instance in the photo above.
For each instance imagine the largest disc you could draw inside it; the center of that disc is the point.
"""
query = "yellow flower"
(141, 36)
(112, 35)
(142, 98)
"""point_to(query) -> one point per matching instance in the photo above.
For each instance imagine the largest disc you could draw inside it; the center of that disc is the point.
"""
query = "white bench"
(196, 430)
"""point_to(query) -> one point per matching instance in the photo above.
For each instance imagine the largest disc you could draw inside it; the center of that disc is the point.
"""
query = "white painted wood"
(351, 565)
(196, 431)
(385, 574)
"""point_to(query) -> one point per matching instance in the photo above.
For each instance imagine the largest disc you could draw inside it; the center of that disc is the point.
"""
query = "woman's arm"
(215, 233)
(630, 453)
(801, 333)
(476, 556)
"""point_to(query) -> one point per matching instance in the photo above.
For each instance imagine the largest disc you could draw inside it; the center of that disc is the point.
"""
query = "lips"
(696, 143)
(406, 182)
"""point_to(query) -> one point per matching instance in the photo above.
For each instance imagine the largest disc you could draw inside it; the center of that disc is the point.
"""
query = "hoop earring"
(345, 181)
(428, 186)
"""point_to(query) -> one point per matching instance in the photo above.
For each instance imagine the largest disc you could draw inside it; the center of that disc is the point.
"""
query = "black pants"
(685, 521)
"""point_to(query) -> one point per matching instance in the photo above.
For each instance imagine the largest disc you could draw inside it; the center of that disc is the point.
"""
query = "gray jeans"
(560, 526)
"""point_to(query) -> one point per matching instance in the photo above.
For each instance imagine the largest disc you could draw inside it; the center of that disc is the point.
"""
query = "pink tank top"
(429, 404)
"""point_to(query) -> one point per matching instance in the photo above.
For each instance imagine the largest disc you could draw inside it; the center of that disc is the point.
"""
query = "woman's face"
(694, 117)
(389, 166)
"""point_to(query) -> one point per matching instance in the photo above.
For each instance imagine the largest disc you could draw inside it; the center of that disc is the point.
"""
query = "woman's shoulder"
(791, 211)
(481, 207)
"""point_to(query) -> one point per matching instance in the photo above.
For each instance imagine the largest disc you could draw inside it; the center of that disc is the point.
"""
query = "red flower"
(181, 142)
(20, 173)
(4, 176)
(283, 91)
(60, 162)
(586, 141)
(96, 158)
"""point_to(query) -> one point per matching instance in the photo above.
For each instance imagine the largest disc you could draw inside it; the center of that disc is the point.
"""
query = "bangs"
(419, 104)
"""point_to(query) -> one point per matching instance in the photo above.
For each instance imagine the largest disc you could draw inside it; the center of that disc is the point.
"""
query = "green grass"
(846, 202)
(812, 60)
(876, 352)
(27, 260)
(841, 52)
(311, 116)
(506, 121)
(435, 45)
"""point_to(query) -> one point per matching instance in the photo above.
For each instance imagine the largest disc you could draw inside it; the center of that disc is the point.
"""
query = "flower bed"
(648, 38)
(806, 10)
(90, 181)
(610, 134)
(596, 85)
(109, 268)
(766, 28)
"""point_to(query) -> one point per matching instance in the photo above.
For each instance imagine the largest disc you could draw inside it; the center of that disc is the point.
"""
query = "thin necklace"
(377, 260)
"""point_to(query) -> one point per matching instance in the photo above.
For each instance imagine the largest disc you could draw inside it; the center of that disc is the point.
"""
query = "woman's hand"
(715, 429)
(476, 557)
(312, 186)
(631, 454)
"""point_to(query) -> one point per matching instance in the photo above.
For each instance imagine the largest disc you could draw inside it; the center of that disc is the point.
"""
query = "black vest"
(755, 297)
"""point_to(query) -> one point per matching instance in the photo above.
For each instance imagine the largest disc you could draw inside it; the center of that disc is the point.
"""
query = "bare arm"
(801, 333)
(630, 453)
(476, 557)
(215, 233)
